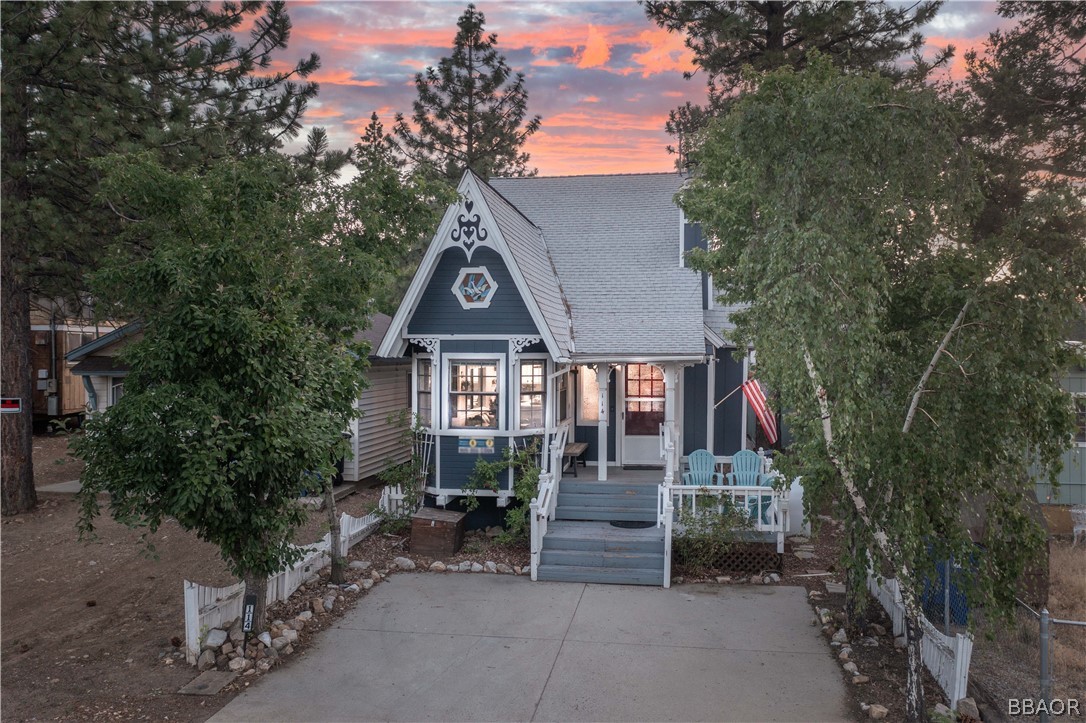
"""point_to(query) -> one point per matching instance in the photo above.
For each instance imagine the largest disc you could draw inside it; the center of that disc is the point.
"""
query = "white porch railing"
(665, 517)
(543, 506)
(667, 450)
(946, 657)
(768, 506)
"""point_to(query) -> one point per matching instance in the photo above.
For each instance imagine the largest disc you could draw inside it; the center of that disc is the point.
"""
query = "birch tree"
(920, 358)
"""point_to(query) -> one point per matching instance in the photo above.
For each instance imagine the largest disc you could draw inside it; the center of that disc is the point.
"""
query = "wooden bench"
(574, 451)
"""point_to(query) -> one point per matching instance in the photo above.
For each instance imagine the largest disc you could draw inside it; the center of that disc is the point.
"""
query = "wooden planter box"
(437, 533)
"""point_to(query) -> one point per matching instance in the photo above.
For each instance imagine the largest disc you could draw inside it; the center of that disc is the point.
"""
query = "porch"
(619, 529)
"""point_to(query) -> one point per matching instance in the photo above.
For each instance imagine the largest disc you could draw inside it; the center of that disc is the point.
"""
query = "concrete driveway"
(501, 648)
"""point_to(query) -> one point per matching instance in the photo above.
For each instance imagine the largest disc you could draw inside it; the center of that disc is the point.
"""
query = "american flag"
(752, 390)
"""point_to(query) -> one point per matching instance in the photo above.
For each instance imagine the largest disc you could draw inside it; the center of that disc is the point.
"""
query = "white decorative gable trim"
(467, 225)
(427, 343)
(520, 343)
(469, 231)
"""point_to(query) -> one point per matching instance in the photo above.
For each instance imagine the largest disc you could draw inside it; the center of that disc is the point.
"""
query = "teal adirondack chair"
(747, 472)
(702, 465)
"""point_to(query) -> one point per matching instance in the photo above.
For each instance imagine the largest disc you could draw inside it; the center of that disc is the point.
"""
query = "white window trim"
(429, 358)
(543, 357)
(113, 389)
(444, 421)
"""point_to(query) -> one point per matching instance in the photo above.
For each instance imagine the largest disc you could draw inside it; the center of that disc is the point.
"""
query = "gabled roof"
(497, 224)
(615, 244)
(106, 340)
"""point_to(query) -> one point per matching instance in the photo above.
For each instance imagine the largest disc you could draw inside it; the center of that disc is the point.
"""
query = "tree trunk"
(336, 575)
(16, 445)
(914, 678)
(256, 584)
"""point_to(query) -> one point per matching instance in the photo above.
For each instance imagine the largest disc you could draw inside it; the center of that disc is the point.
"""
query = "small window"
(533, 393)
(564, 402)
(1080, 419)
(590, 396)
(424, 396)
(116, 389)
(473, 394)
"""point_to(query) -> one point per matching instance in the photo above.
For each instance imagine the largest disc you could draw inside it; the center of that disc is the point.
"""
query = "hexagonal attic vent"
(474, 287)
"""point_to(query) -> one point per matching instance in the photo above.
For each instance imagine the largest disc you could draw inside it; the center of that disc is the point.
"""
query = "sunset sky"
(599, 73)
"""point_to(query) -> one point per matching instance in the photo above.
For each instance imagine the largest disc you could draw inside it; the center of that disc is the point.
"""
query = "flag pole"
(727, 395)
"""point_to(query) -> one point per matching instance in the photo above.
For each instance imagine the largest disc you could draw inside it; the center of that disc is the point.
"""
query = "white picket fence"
(947, 658)
(392, 501)
(207, 608)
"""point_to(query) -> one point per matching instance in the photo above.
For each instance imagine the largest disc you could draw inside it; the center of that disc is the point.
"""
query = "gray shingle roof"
(532, 258)
(614, 242)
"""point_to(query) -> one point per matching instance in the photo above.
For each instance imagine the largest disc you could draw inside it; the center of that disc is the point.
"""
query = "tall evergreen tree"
(470, 111)
(82, 80)
(725, 36)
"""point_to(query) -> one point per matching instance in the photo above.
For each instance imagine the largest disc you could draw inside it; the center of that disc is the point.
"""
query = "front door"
(643, 413)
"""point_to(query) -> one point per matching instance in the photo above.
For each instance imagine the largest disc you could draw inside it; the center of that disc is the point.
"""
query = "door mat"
(632, 524)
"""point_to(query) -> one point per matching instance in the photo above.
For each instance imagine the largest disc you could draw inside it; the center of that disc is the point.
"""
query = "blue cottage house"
(562, 309)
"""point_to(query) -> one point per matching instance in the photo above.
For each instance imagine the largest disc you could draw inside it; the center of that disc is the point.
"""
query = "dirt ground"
(88, 630)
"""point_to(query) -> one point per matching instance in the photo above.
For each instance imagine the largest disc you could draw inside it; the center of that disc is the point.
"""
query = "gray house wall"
(1072, 478)
(376, 442)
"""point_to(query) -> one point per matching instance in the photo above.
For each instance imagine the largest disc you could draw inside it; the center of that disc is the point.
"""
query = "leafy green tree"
(376, 160)
(771, 34)
(246, 376)
(83, 80)
(470, 111)
(920, 358)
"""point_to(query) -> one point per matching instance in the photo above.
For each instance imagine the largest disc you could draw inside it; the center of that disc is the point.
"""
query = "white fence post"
(209, 607)
(947, 657)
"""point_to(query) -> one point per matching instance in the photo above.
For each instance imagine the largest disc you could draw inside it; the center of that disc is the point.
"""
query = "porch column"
(671, 373)
(602, 373)
(710, 417)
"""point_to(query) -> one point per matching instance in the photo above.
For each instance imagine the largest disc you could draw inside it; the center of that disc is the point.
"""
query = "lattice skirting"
(740, 558)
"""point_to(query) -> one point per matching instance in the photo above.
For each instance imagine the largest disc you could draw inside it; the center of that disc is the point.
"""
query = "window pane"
(473, 394)
(532, 393)
(590, 396)
(425, 386)
(644, 418)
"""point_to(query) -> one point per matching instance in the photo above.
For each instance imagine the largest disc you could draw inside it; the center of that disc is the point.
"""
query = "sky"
(601, 75)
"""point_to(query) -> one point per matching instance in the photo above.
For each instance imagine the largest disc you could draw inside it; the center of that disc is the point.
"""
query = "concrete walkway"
(501, 648)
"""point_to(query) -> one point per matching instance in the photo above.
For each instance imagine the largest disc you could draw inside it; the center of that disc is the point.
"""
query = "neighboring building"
(545, 304)
(56, 330)
(1072, 478)
(374, 441)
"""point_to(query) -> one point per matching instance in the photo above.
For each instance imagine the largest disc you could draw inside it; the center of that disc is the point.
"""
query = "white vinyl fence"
(207, 608)
(947, 657)
(393, 501)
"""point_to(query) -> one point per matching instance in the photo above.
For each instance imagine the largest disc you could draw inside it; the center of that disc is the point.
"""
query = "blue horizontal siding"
(439, 312)
(456, 467)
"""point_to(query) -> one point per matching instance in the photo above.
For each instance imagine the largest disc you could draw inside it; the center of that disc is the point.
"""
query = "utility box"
(437, 533)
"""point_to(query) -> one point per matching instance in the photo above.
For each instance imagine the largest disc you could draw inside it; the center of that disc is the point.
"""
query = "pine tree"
(470, 110)
(772, 34)
(85, 80)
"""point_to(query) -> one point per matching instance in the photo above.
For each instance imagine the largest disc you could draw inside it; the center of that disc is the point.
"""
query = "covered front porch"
(619, 527)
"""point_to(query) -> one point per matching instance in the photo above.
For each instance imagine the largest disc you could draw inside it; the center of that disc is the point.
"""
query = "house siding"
(1072, 478)
(727, 424)
(376, 443)
(695, 401)
(456, 467)
(439, 312)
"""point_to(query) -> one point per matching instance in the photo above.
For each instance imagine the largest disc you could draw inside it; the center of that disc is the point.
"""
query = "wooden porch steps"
(582, 546)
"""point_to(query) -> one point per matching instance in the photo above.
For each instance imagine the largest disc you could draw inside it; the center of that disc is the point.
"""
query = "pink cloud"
(596, 51)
